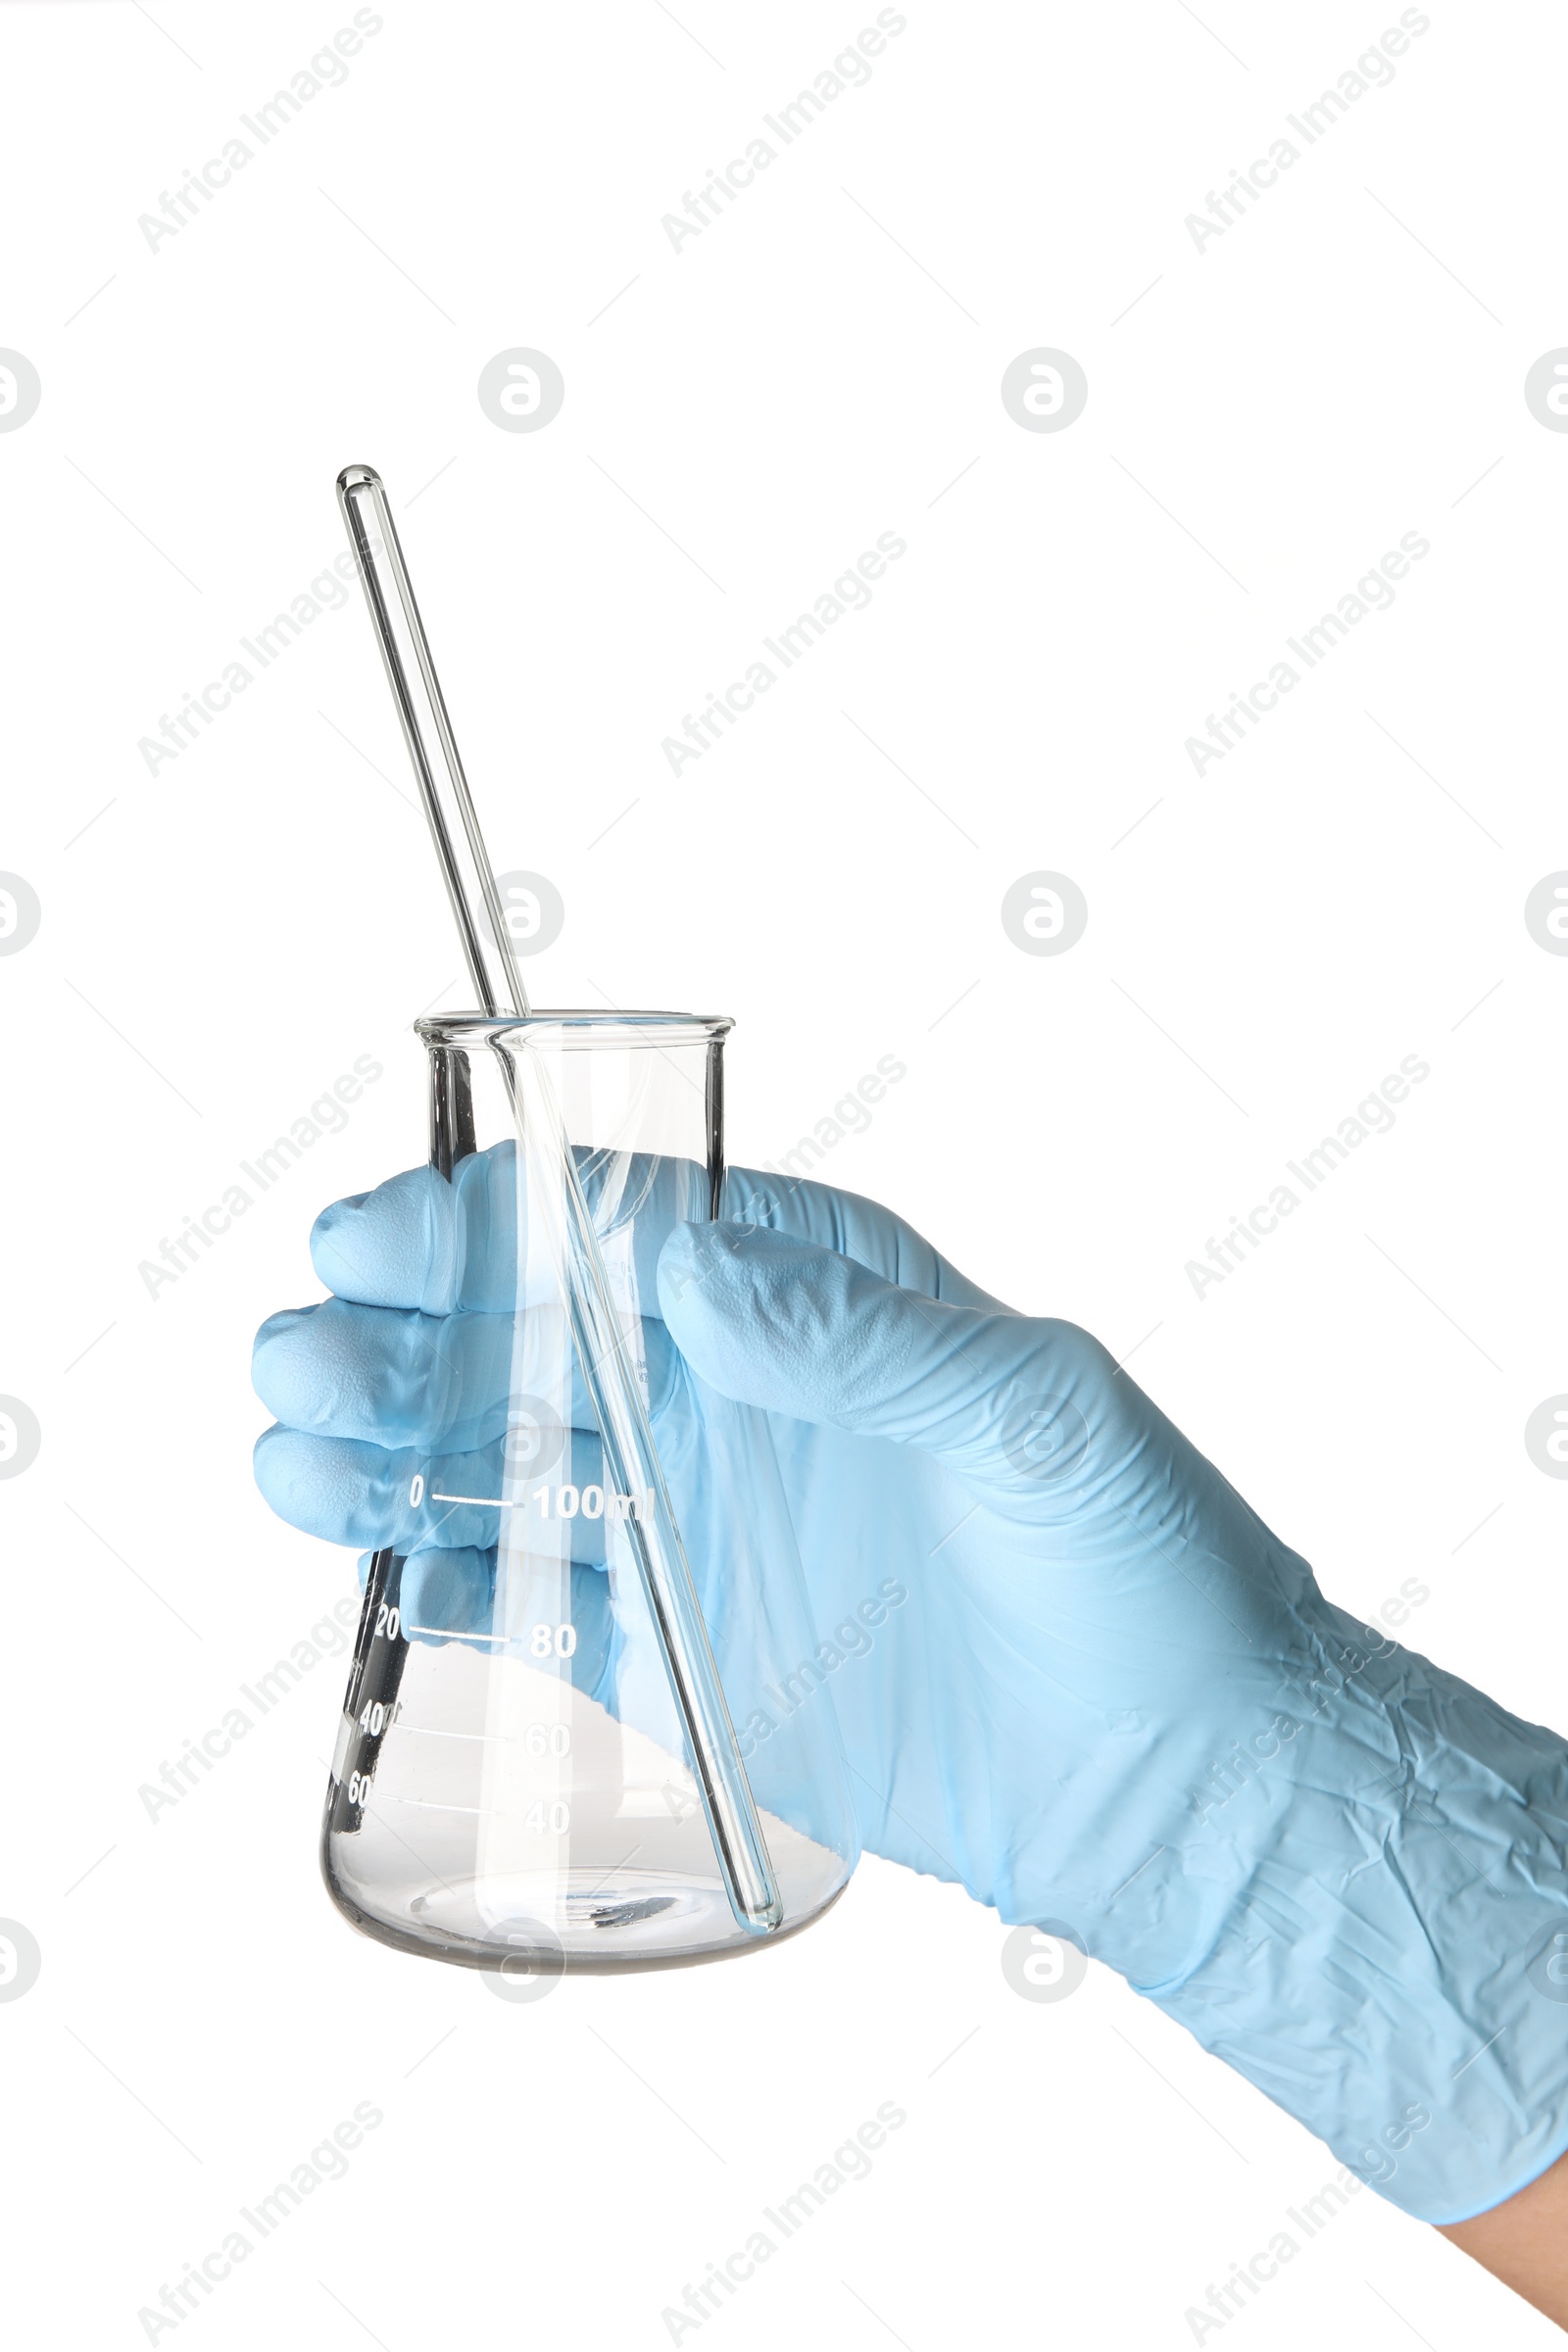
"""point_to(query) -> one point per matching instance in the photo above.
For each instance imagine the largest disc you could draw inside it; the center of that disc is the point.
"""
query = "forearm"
(1524, 2242)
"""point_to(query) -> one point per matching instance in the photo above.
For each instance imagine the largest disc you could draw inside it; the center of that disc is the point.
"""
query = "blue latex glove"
(1111, 1698)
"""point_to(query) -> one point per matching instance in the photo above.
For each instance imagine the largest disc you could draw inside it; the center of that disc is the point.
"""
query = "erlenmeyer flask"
(514, 1778)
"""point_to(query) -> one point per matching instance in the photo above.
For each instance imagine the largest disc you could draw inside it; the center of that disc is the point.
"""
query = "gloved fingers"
(446, 1591)
(396, 1377)
(389, 1376)
(400, 1245)
(346, 1491)
(420, 1242)
(1030, 1410)
(854, 1227)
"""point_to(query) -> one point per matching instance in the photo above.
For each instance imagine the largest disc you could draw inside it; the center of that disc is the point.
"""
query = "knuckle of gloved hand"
(1074, 1360)
(283, 1341)
(1055, 1411)
(389, 1247)
(333, 1239)
(297, 1477)
(276, 1328)
(336, 1366)
(341, 1490)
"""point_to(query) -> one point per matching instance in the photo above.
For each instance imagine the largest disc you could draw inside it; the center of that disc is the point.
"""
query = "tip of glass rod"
(358, 477)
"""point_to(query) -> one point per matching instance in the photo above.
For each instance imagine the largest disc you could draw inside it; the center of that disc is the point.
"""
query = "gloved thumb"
(1023, 1407)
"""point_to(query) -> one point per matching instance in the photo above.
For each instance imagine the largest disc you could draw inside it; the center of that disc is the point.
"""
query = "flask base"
(567, 1923)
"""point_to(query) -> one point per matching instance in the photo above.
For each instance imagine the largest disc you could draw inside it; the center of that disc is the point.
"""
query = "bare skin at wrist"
(1524, 2242)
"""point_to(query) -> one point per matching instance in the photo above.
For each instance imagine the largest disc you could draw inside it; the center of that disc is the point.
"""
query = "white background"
(222, 939)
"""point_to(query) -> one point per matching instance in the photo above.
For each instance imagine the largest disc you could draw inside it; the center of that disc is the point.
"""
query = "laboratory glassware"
(610, 1380)
(515, 1779)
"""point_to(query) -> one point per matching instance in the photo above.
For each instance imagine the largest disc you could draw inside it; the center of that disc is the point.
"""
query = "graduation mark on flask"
(591, 1501)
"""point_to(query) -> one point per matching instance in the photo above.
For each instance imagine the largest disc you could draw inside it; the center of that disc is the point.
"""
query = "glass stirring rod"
(630, 1457)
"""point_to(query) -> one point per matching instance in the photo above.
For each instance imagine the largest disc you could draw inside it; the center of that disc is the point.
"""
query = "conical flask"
(584, 1728)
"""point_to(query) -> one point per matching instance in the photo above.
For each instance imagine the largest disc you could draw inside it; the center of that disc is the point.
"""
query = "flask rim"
(575, 1029)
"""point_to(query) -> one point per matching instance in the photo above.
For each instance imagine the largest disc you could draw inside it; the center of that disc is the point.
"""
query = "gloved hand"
(1113, 1697)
